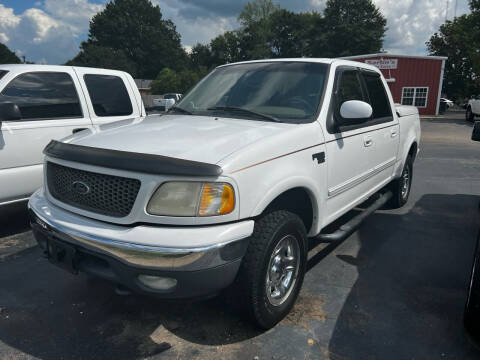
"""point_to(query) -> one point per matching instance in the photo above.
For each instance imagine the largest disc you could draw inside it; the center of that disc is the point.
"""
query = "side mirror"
(476, 131)
(356, 110)
(9, 111)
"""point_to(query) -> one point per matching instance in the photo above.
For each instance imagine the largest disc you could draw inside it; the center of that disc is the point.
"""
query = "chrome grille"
(99, 193)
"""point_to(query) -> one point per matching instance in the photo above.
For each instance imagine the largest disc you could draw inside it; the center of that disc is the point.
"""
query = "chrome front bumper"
(214, 245)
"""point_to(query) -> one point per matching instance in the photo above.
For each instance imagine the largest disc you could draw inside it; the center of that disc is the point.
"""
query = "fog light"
(157, 282)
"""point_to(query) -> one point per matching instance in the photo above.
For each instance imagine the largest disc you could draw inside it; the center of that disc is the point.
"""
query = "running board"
(349, 227)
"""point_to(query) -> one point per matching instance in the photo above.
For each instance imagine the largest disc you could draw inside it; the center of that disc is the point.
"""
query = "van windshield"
(280, 91)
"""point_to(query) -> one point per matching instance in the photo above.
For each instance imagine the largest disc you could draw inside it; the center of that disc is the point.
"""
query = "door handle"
(393, 133)
(367, 142)
(74, 131)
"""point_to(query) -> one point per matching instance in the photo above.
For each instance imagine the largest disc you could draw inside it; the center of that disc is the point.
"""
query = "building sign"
(383, 63)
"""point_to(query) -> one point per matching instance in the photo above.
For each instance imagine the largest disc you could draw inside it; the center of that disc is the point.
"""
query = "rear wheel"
(273, 268)
(469, 114)
(401, 187)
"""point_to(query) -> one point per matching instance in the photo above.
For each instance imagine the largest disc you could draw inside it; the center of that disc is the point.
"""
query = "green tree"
(257, 11)
(103, 57)
(291, 33)
(7, 56)
(137, 28)
(352, 27)
(256, 20)
(459, 40)
(201, 57)
(170, 81)
(189, 78)
(166, 81)
(226, 48)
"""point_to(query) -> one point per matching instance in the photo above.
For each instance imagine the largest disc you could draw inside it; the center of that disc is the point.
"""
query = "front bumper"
(200, 267)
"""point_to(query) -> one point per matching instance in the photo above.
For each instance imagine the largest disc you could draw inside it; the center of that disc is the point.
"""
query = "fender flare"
(288, 184)
(403, 159)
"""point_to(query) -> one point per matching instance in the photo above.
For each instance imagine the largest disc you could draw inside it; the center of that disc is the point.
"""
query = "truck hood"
(196, 138)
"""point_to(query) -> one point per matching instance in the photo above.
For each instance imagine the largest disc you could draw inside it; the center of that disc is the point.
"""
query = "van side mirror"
(476, 131)
(9, 111)
(356, 110)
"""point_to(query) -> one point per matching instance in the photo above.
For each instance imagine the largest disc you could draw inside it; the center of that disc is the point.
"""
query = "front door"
(360, 154)
(50, 108)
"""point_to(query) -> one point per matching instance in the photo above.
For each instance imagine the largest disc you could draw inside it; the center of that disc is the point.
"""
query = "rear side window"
(378, 97)
(43, 95)
(109, 95)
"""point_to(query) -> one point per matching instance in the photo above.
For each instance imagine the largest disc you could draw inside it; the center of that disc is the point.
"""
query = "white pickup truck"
(167, 101)
(228, 187)
(39, 103)
(473, 108)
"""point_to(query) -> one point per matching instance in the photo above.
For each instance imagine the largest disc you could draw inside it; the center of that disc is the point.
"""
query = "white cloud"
(46, 35)
(197, 29)
(75, 13)
(53, 29)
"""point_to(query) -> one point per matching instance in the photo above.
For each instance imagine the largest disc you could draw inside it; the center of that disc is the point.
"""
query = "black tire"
(400, 192)
(469, 116)
(270, 232)
(472, 305)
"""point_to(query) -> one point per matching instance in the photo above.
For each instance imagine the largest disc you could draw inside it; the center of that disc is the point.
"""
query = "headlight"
(192, 199)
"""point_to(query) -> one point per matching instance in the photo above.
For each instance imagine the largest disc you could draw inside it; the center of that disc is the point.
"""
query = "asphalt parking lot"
(393, 290)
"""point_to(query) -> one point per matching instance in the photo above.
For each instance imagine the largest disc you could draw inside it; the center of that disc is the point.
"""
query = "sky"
(50, 31)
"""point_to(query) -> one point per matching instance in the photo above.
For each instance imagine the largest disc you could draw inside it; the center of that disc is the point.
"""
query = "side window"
(43, 95)
(108, 94)
(378, 97)
(349, 87)
(416, 96)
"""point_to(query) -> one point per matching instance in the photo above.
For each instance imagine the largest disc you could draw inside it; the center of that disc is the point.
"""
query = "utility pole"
(446, 11)
(456, 5)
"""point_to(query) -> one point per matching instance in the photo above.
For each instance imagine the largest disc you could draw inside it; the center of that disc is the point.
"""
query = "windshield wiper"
(179, 109)
(246, 111)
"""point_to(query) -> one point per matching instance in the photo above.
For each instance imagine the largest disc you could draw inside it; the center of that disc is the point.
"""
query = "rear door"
(386, 133)
(109, 95)
(51, 108)
(360, 154)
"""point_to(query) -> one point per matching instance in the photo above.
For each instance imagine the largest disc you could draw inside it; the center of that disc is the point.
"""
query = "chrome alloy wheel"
(405, 186)
(282, 270)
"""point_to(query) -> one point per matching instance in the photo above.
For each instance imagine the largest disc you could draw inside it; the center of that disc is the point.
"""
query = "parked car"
(166, 102)
(473, 108)
(472, 306)
(449, 103)
(39, 103)
(227, 189)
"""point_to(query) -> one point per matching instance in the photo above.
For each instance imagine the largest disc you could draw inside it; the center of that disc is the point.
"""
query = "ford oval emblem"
(80, 187)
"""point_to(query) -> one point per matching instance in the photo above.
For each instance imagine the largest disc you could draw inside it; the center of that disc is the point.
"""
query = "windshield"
(287, 91)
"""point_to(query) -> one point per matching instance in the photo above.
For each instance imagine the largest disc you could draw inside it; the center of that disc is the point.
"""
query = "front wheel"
(273, 268)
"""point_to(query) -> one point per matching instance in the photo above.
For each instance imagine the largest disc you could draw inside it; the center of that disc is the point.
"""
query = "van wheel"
(469, 115)
(272, 271)
(401, 187)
